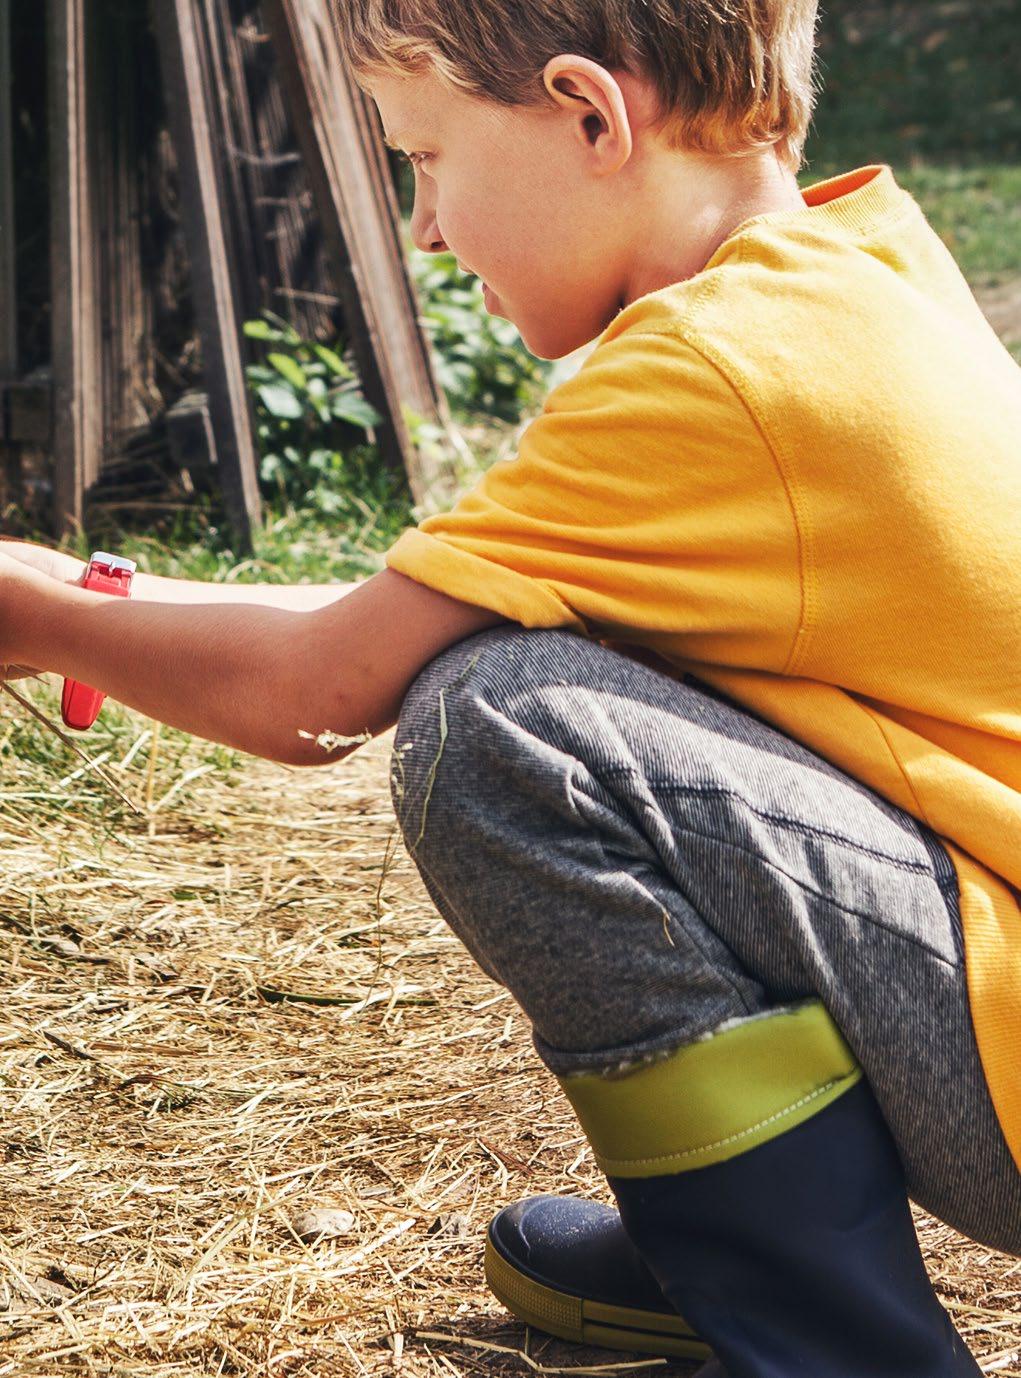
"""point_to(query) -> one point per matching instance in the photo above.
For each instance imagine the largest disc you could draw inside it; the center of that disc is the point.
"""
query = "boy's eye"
(416, 159)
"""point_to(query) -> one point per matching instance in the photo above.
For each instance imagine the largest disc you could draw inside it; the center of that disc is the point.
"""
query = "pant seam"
(693, 937)
(783, 820)
(827, 899)
(681, 828)
(945, 875)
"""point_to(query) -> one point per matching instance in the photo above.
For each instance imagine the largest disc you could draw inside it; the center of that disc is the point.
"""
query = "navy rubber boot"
(799, 1256)
(567, 1267)
(758, 1182)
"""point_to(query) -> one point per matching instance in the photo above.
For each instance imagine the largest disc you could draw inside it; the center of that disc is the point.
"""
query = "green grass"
(44, 783)
(976, 211)
(929, 81)
(292, 545)
(931, 88)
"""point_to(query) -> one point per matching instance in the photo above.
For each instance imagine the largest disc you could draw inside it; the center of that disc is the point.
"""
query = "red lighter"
(80, 705)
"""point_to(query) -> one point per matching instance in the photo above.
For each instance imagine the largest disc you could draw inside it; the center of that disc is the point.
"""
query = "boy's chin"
(552, 342)
(553, 336)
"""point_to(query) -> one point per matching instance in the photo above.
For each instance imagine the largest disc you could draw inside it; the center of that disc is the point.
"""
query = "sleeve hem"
(483, 583)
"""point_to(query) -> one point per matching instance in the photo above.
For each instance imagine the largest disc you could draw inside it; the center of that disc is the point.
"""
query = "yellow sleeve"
(644, 505)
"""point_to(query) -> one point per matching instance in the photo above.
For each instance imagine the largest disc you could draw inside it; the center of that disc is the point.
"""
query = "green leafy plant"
(312, 423)
(482, 364)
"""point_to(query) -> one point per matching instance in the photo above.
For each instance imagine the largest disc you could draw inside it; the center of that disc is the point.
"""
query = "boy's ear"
(593, 97)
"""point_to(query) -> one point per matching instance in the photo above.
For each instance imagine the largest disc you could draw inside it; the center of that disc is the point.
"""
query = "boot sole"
(584, 1321)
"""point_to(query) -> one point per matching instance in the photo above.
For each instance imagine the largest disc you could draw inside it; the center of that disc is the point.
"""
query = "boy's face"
(521, 199)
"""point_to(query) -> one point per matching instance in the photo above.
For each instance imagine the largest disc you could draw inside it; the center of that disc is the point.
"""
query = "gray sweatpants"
(639, 861)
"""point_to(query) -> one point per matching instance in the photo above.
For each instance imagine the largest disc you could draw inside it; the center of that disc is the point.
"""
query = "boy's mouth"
(487, 292)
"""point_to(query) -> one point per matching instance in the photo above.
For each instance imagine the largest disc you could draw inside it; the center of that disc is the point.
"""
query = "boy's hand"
(56, 563)
(21, 587)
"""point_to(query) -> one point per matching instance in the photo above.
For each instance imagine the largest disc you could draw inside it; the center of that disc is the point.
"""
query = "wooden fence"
(283, 196)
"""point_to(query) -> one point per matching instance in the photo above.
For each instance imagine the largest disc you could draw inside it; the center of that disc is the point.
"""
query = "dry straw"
(241, 1009)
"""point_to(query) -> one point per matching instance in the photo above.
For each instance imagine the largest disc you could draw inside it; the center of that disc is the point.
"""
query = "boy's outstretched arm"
(251, 677)
(157, 588)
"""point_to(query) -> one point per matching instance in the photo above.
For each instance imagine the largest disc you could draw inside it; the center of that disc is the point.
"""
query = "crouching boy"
(710, 701)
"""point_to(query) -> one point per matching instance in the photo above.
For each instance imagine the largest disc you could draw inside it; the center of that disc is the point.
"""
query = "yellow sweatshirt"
(797, 476)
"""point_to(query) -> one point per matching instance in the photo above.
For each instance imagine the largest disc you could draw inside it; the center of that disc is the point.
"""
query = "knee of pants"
(452, 744)
(515, 714)
(488, 775)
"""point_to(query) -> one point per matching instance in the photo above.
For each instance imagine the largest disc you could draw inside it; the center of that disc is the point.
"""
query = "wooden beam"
(339, 134)
(190, 107)
(75, 326)
(117, 96)
(28, 407)
(190, 433)
(10, 456)
(8, 243)
(288, 237)
(228, 113)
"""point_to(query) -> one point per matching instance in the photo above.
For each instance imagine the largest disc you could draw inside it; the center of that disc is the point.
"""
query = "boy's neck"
(710, 198)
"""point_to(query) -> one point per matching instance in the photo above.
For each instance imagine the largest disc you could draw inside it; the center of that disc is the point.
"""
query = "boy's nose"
(425, 233)
(430, 242)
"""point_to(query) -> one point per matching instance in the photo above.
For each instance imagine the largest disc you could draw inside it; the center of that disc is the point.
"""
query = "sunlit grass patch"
(976, 211)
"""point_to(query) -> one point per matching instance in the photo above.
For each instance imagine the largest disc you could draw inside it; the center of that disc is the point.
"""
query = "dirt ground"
(174, 1100)
(1002, 308)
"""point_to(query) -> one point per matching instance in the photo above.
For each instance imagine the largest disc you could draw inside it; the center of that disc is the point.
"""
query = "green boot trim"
(588, 1322)
(712, 1100)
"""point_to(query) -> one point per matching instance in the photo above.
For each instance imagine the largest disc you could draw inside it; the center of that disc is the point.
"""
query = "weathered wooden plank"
(347, 163)
(190, 433)
(77, 429)
(190, 107)
(10, 458)
(29, 410)
(115, 102)
(8, 243)
(234, 168)
(280, 214)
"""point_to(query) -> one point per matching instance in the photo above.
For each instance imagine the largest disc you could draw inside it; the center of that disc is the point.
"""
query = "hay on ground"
(238, 1008)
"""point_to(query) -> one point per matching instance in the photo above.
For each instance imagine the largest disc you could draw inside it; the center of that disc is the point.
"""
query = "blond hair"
(730, 75)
